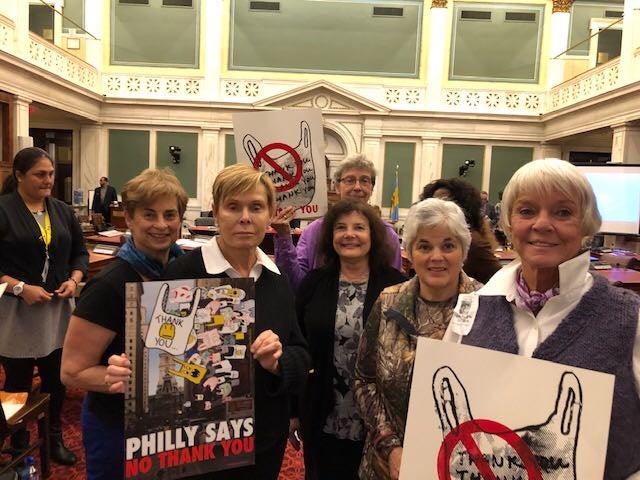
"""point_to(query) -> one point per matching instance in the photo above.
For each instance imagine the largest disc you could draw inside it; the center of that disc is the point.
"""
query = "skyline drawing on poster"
(189, 407)
(289, 146)
(478, 414)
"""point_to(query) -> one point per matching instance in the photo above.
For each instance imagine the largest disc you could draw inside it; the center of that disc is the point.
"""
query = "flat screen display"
(617, 189)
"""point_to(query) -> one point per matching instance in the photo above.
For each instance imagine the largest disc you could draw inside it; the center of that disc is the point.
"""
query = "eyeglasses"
(351, 181)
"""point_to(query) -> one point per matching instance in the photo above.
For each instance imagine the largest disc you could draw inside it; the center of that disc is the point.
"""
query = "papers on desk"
(12, 402)
(110, 233)
(3, 287)
(185, 242)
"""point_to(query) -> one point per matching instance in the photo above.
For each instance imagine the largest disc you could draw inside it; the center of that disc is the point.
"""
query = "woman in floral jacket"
(437, 239)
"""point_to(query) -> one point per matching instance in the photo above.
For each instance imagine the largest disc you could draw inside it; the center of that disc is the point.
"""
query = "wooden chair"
(35, 410)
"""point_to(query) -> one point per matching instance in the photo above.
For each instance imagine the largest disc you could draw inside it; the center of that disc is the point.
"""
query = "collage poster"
(189, 408)
(479, 414)
(289, 146)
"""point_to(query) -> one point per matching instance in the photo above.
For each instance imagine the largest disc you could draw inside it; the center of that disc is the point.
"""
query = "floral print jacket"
(385, 365)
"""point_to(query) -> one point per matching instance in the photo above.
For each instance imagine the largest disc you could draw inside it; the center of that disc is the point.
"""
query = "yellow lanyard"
(46, 231)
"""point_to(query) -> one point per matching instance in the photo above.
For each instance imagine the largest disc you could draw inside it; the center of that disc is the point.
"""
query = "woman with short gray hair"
(436, 240)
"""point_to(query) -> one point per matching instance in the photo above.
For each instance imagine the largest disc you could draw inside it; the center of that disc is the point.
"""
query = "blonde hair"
(546, 177)
(151, 184)
(242, 178)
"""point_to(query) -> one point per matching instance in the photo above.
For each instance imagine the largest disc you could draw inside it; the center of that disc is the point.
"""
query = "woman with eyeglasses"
(42, 260)
(354, 180)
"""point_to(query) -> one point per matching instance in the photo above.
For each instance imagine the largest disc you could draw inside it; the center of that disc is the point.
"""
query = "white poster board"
(289, 146)
(516, 417)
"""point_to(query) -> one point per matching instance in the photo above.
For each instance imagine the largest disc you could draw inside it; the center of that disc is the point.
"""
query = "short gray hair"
(544, 177)
(434, 212)
(359, 161)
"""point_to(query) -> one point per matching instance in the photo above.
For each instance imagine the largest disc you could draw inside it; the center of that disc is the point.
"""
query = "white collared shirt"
(531, 331)
(215, 262)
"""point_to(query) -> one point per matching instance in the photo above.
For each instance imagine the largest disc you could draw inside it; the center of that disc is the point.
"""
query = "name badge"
(464, 313)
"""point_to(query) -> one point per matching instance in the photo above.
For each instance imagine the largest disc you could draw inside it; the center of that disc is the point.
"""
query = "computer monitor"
(617, 190)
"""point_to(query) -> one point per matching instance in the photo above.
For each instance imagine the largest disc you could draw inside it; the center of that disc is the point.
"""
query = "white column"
(210, 162)
(94, 159)
(94, 11)
(22, 116)
(558, 43)
(486, 167)
(372, 148)
(436, 59)
(547, 150)
(428, 165)
(57, 23)
(22, 28)
(213, 15)
(630, 41)
(626, 143)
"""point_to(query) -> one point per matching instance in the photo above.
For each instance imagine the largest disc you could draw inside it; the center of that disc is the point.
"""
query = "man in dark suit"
(487, 209)
(104, 196)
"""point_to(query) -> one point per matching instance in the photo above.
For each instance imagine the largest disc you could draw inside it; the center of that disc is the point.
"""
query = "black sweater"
(22, 250)
(274, 311)
(316, 303)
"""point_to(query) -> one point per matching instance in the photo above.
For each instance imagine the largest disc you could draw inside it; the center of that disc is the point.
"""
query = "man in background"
(487, 209)
(104, 196)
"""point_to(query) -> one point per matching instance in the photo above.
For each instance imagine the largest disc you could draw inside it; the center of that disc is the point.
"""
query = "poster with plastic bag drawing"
(289, 146)
(189, 408)
(478, 414)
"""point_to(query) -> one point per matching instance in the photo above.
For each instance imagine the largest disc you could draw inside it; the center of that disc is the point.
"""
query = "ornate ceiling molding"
(325, 96)
(562, 6)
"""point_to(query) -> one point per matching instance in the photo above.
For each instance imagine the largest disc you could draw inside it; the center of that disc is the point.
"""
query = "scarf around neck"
(532, 300)
(147, 267)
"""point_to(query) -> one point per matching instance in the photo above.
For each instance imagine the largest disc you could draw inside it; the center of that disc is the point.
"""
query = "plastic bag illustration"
(292, 172)
(167, 331)
(477, 448)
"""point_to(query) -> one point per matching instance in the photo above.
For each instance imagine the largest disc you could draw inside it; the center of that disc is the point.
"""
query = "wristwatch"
(18, 288)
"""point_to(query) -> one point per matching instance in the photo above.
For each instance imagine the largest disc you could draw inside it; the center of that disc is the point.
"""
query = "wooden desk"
(622, 277)
(97, 261)
(117, 216)
(203, 230)
(93, 239)
(505, 256)
(266, 245)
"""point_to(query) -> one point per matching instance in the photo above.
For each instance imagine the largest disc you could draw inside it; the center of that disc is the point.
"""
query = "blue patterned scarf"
(147, 267)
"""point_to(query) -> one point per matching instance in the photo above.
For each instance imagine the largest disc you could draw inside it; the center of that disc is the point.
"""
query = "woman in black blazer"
(333, 303)
(42, 260)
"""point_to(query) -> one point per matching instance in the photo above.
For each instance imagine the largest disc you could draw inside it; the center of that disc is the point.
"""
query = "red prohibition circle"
(290, 181)
(462, 434)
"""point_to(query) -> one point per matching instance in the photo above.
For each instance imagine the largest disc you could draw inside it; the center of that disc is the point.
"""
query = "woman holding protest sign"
(154, 203)
(243, 204)
(354, 180)
(436, 239)
(548, 305)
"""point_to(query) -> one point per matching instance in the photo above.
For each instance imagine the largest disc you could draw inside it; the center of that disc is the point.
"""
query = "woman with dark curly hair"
(481, 263)
(333, 303)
